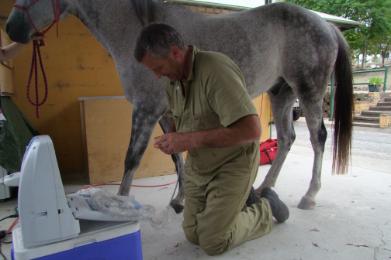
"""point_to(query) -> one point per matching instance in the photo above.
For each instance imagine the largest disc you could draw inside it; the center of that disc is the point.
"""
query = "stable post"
(385, 78)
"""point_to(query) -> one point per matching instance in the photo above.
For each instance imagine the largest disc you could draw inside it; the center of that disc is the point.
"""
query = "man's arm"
(244, 130)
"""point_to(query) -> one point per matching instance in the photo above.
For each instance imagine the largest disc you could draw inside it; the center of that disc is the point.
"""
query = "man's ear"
(176, 53)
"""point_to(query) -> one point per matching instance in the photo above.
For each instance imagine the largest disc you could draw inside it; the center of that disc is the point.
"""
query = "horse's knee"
(293, 138)
(286, 143)
(318, 138)
(322, 134)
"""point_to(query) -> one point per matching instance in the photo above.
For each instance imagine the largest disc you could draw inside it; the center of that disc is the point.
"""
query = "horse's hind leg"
(282, 99)
(313, 113)
(166, 124)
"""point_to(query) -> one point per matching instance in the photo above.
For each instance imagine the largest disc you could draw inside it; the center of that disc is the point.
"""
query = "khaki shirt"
(214, 96)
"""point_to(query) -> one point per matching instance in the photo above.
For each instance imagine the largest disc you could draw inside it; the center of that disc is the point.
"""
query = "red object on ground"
(268, 149)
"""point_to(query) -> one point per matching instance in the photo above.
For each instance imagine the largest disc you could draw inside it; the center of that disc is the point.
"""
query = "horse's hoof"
(123, 192)
(178, 208)
(306, 203)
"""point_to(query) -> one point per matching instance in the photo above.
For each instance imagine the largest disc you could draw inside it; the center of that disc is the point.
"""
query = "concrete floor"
(352, 219)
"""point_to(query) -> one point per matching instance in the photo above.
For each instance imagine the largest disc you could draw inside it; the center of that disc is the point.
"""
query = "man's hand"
(171, 143)
(245, 130)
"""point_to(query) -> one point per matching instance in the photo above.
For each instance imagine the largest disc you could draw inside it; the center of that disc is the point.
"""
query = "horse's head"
(30, 17)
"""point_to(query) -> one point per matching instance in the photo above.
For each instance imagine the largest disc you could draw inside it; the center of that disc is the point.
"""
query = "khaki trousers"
(215, 214)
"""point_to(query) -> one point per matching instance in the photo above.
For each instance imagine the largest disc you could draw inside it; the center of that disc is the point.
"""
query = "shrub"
(377, 81)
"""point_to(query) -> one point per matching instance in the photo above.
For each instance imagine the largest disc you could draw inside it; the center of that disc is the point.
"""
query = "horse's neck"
(115, 26)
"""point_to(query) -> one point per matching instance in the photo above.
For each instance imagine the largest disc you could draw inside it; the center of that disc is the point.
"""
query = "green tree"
(373, 37)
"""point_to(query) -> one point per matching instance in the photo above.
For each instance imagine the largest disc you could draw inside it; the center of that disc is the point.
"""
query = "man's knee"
(214, 245)
(210, 243)
(191, 235)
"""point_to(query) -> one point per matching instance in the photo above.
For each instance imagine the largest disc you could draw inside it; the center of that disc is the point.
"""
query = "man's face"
(170, 66)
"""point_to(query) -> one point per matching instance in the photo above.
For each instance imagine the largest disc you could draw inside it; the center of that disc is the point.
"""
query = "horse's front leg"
(143, 122)
(282, 99)
(167, 125)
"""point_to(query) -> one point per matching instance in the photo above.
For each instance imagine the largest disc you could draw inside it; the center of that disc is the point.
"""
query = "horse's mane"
(145, 10)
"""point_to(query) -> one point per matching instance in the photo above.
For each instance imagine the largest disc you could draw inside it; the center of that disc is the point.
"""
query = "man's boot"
(279, 210)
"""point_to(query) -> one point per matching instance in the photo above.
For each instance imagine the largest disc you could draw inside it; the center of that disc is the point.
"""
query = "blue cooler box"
(97, 240)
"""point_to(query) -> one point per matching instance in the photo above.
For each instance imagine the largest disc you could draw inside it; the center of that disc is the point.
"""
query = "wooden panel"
(263, 106)
(6, 83)
(107, 127)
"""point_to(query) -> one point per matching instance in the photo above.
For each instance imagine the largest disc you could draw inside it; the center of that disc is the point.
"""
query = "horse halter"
(36, 58)
(56, 12)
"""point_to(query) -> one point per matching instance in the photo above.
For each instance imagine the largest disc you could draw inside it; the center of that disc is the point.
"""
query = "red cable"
(133, 185)
(11, 227)
(152, 186)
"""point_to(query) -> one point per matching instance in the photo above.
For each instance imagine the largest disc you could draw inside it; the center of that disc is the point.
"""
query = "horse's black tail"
(343, 107)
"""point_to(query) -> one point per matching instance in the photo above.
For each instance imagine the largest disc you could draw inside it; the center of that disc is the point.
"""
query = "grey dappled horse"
(282, 49)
